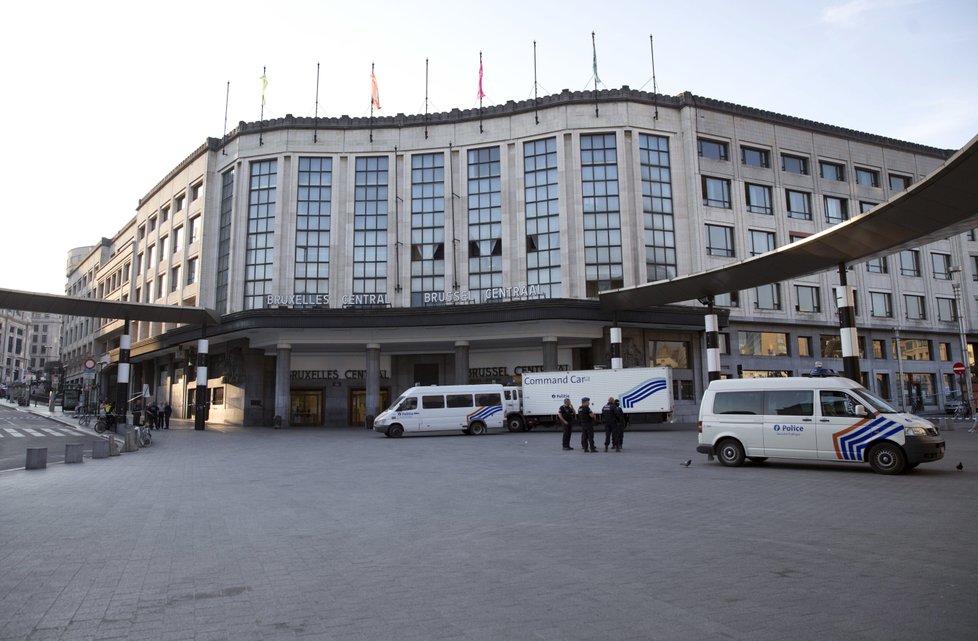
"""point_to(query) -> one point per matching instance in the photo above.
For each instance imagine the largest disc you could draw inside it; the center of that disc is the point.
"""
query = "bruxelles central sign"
(518, 292)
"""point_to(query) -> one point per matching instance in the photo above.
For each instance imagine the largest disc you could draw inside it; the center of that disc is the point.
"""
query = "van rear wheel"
(887, 458)
(477, 428)
(730, 452)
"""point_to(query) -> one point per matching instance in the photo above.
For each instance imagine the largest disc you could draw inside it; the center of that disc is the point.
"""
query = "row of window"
(808, 299)
(830, 346)
(178, 203)
(797, 164)
(759, 199)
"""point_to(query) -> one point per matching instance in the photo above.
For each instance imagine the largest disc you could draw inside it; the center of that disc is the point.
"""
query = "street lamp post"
(962, 337)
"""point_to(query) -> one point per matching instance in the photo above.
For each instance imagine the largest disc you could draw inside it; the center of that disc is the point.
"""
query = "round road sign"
(958, 368)
(90, 363)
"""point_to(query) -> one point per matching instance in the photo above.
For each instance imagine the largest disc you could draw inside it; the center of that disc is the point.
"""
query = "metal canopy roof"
(68, 306)
(942, 205)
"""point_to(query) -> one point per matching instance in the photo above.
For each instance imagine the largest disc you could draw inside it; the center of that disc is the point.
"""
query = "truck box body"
(638, 389)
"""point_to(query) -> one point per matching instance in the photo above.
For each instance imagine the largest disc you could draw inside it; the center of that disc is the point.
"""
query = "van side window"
(738, 403)
(408, 404)
(433, 401)
(837, 404)
(790, 402)
(459, 400)
(481, 400)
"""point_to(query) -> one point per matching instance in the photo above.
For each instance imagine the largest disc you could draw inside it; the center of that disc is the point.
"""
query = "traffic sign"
(958, 368)
(89, 363)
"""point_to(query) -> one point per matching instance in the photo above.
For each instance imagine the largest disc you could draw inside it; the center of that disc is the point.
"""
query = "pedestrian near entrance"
(152, 416)
(167, 410)
(586, 417)
(565, 414)
(610, 420)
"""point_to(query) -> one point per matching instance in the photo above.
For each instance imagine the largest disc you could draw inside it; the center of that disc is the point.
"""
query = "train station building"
(349, 258)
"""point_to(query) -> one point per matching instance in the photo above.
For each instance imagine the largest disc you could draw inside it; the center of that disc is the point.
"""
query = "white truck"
(640, 390)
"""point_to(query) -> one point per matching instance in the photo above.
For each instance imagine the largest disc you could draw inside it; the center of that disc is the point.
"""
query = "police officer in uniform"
(565, 413)
(610, 420)
(619, 433)
(586, 416)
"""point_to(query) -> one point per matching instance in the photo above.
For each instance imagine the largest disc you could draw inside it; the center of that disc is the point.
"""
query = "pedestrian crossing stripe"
(44, 431)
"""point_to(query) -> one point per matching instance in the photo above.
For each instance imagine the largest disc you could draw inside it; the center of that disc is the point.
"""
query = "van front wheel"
(515, 424)
(395, 431)
(887, 458)
(730, 452)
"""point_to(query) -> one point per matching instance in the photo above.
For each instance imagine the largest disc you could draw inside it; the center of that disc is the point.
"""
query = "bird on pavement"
(686, 464)
(959, 466)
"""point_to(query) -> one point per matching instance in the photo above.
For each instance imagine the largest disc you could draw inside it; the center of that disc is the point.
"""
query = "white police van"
(470, 409)
(824, 419)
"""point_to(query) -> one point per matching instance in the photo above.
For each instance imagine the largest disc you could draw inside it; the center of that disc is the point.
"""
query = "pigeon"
(959, 467)
(686, 464)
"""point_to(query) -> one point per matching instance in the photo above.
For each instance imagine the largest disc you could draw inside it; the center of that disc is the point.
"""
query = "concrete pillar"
(372, 401)
(122, 380)
(847, 327)
(283, 382)
(100, 449)
(202, 395)
(550, 353)
(461, 362)
(616, 348)
(37, 458)
(73, 452)
(712, 342)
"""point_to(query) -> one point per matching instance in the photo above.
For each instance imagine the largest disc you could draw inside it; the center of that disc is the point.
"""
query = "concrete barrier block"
(114, 447)
(74, 452)
(100, 448)
(130, 444)
(37, 458)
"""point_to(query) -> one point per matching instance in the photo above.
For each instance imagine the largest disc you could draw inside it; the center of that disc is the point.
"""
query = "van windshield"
(874, 401)
(396, 402)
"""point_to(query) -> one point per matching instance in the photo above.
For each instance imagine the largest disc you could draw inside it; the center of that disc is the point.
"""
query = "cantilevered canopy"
(66, 305)
(942, 205)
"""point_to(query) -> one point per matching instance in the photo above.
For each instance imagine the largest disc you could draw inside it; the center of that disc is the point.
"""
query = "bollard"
(37, 458)
(73, 452)
(100, 449)
(130, 444)
(114, 449)
(946, 424)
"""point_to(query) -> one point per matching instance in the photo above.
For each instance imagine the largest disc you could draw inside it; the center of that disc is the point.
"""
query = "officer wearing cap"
(586, 416)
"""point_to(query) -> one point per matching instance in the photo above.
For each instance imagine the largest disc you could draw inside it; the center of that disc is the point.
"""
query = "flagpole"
(224, 138)
(536, 110)
(426, 99)
(594, 50)
(655, 90)
(315, 127)
(261, 118)
(373, 81)
(480, 98)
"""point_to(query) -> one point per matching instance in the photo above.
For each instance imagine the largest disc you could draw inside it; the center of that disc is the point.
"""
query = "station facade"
(350, 258)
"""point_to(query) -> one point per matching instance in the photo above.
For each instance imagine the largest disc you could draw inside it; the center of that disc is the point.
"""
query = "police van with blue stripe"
(827, 418)
(466, 409)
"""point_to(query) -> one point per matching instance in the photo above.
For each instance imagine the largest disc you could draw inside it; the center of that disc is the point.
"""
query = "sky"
(102, 99)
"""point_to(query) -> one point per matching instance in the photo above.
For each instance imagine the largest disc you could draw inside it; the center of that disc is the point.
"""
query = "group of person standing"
(157, 418)
(611, 415)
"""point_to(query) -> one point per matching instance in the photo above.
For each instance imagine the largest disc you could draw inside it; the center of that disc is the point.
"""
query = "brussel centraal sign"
(518, 292)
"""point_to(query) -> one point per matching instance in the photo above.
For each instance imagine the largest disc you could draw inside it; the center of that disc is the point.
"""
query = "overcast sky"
(102, 99)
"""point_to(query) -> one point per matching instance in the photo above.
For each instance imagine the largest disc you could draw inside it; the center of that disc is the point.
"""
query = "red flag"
(374, 92)
(481, 93)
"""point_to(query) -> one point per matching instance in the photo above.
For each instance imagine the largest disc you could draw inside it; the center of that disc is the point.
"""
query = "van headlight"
(915, 430)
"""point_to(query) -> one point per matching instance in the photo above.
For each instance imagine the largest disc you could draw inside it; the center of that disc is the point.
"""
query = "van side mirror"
(860, 410)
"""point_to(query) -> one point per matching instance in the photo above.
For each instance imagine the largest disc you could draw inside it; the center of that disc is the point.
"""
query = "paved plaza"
(243, 534)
